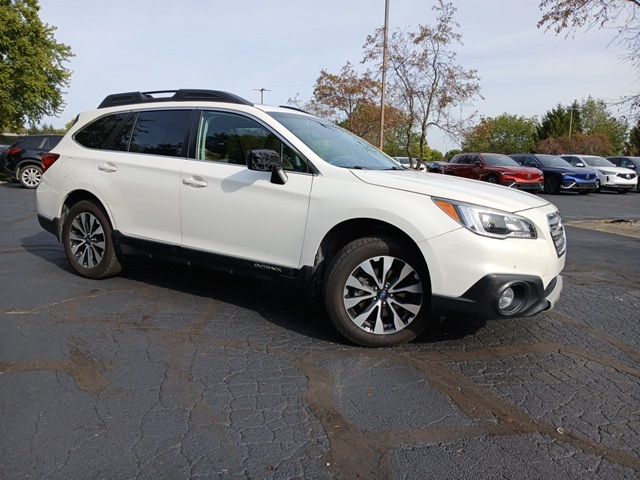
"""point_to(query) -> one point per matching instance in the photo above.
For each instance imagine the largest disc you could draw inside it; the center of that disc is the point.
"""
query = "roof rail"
(183, 95)
(294, 108)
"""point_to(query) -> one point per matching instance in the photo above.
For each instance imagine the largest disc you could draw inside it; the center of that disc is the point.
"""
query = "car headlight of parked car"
(607, 172)
(486, 221)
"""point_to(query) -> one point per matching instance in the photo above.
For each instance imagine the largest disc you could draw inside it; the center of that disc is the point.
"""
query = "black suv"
(23, 160)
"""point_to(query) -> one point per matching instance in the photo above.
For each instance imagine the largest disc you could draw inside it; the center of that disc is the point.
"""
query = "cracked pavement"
(169, 372)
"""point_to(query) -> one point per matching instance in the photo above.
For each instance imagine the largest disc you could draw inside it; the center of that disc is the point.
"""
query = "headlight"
(607, 172)
(486, 221)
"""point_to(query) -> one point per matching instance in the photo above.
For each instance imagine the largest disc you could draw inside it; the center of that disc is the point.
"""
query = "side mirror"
(267, 160)
(579, 164)
(477, 163)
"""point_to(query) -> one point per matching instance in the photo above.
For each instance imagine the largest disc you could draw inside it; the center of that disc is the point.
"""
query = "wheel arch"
(78, 195)
(348, 230)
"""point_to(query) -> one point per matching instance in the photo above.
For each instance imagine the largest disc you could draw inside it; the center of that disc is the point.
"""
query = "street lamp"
(262, 90)
(384, 71)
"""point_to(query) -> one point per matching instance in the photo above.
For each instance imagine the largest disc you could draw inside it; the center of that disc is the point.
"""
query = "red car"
(495, 168)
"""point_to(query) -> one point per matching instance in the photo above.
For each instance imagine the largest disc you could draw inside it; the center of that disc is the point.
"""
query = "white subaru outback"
(206, 177)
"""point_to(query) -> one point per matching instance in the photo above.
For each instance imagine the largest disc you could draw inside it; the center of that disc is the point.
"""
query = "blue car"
(560, 175)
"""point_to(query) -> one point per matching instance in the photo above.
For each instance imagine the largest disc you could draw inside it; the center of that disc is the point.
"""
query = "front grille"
(557, 233)
(585, 176)
(628, 176)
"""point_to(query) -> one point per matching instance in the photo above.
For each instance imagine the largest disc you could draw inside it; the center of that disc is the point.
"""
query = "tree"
(425, 81)
(621, 16)
(349, 99)
(451, 153)
(559, 121)
(633, 144)
(502, 134)
(32, 71)
(597, 120)
(586, 144)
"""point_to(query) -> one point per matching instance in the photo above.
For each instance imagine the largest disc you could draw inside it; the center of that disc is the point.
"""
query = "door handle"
(107, 167)
(194, 182)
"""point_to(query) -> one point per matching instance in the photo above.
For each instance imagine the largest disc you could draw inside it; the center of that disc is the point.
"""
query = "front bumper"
(481, 300)
(572, 184)
(613, 181)
(526, 186)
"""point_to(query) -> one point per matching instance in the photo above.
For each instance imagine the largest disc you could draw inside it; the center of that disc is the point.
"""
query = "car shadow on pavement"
(279, 301)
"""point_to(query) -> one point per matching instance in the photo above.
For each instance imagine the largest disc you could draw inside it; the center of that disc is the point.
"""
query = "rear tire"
(395, 303)
(30, 176)
(88, 241)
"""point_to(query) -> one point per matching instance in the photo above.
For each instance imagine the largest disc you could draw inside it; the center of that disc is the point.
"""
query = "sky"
(282, 45)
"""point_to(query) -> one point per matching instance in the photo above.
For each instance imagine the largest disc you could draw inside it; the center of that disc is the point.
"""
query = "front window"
(227, 137)
(594, 161)
(553, 161)
(497, 160)
(335, 145)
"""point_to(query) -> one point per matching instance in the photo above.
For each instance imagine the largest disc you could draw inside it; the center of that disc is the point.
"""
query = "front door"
(230, 210)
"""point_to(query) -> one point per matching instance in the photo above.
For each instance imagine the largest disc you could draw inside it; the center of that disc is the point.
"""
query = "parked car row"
(549, 173)
(22, 160)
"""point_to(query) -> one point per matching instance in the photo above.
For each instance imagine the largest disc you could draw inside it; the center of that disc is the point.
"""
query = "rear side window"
(161, 132)
(96, 134)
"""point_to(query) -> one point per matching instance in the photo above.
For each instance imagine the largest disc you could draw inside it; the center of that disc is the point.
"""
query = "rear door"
(139, 177)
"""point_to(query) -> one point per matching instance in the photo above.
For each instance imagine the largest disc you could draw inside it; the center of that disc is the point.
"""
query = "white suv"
(207, 177)
(610, 176)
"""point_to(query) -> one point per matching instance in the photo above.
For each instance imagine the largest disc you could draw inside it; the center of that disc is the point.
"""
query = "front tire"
(492, 179)
(88, 241)
(623, 190)
(551, 185)
(584, 192)
(377, 292)
(30, 176)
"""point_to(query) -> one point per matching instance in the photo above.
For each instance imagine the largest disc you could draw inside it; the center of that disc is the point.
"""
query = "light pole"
(384, 71)
(571, 108)
(262, 90)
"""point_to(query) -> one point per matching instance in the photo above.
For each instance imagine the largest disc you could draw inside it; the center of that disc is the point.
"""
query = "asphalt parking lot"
(171, 372)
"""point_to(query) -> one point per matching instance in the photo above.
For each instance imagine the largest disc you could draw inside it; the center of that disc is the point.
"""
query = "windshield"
(335, 145)
(498, 160)
(593, 161)
(553, 161)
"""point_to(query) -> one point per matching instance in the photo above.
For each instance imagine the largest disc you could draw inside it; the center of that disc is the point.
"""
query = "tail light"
(49, 159)
(14, 151)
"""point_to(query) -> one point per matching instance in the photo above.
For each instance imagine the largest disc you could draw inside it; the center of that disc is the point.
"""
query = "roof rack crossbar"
(182, 95)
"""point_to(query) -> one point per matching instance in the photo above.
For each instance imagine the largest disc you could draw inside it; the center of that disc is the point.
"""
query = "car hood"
(569, 170)
(509, 169)
(614, 169)
(453, 188)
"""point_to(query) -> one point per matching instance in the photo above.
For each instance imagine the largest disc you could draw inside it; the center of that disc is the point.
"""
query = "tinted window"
(51, 142)
(498, 160)
(29, 142)
(160, 132)
(120, 140)
(225, 137)
(96, 134)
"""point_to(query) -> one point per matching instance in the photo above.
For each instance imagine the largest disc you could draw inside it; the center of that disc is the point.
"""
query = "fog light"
(506, 299)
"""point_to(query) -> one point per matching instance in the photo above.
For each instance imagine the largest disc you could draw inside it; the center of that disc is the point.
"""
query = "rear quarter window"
(98, 133)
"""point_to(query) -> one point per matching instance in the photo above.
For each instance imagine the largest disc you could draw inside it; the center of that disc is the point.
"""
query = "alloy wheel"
(30, 176)
(383, 295)
(87, 240)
